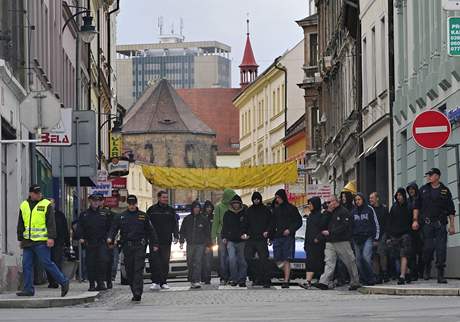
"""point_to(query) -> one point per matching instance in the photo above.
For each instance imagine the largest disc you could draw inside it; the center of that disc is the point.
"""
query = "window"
(278, 100)
(313, 50)
(283, 103)
(274, 103)
(249, 121)
(383, 69)
(373, 64)
(364, 62)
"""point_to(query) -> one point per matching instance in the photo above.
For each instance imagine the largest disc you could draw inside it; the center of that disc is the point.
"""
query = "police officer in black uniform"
(135, 232)
(434, 206)
(93, 226)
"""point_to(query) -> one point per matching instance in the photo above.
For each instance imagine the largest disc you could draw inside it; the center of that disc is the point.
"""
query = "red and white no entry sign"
(431, 129)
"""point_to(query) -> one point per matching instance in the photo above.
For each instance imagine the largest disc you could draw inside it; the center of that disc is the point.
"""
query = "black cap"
(96, 196)
(433, 171)
(132, 200)
(35, 188)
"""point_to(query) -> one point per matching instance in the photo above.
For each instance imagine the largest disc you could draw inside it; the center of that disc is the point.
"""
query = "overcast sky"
(273, 28)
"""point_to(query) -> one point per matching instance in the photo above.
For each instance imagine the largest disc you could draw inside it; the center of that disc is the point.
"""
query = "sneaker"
(233, 284)
(354, 287)
(101, 287)
(155, 287)
(401, 281)
(109, 285)
(53, 285)
(65, 289)
(306, 285)
(136, 298)
(285, 285)
(195, 286)
(223, 282)
(165, 286)
(321, 286)
(24, 293)
(242, 284)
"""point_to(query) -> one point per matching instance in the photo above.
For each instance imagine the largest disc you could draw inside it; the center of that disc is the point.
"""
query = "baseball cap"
(433, 171)
(96, 196)
(35, 188)
(132, 200)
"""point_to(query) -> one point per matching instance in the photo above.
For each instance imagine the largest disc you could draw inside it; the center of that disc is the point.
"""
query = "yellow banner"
(221, 178)
(116, 144)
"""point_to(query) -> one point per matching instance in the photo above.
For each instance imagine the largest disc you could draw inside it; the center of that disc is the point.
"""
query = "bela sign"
(61, 134)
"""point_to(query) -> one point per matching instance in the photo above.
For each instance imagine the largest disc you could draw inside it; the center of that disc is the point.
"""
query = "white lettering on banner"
(103, 188)
(324, 191)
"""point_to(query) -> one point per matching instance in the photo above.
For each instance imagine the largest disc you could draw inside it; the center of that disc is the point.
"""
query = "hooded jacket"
(400, 218)
(412, 201)
(349, 197)
(285, 216)
(219, 211)
(315, 224)
(234, 222)
(339, 225)
(382, 216)
(195, 229)
(365, 222)
(258, 219)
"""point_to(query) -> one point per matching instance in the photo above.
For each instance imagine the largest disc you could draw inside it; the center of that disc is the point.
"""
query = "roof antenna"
(247, 23)
(160, 25)
(181, 26)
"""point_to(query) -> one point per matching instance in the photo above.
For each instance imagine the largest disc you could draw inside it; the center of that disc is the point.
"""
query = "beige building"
(264, 113)
(139, 186)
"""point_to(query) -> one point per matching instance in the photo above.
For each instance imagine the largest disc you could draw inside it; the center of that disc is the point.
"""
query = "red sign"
(118, 183)
(111, 202)
(431, 129)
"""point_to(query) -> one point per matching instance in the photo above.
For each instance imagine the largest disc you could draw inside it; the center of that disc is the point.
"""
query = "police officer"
(93, 226)
(434, 206)
(135, 231)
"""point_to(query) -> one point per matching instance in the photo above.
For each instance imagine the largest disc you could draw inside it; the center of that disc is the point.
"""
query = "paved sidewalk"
(426, 288)
(45, 297)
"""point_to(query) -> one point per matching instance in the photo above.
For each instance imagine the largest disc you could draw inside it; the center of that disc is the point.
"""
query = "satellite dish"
(50, 111)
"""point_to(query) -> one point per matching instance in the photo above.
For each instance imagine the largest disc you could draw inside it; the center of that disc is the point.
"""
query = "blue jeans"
(363, 251)
(43, 254)
(237, 261)
(224, 273)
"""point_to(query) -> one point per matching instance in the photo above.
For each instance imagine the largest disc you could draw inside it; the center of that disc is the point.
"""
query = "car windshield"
(300, 234)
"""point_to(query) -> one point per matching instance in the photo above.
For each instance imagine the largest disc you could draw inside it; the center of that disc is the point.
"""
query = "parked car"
(298, 265)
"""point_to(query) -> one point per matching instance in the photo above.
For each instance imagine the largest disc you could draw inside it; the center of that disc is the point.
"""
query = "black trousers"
(134, 257)
(57, 256)
(258, 266)
(416, 263)
(194, 262)
(434, 240)
(97, 258)
(108, 272)
(159, 264)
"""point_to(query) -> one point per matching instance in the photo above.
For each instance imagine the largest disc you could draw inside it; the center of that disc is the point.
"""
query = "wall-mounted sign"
(102, 175)
(451, 4)
(324, 191)
(454, 115)
(119, 183)
(116, 144)
(103, 188)
(118, 168)
(61, 134)
(453, 36)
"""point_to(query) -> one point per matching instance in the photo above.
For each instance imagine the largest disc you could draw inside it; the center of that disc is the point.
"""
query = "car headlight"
(215, 248)
(178, 255)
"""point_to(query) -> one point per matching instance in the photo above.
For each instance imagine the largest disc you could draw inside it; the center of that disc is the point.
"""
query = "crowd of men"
(347, 239)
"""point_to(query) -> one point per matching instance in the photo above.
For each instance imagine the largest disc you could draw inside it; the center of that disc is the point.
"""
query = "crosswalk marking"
(226, 288)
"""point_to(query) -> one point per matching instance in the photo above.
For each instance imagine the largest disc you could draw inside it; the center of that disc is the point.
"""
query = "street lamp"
(87, 30)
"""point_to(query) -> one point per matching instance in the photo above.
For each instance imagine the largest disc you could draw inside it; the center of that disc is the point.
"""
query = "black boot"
(441, 278)
(109, 285)
(92, 286)
(100, 286)
(427, 273)
(386, 277)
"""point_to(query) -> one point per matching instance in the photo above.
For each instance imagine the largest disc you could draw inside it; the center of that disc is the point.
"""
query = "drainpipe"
(279, 66)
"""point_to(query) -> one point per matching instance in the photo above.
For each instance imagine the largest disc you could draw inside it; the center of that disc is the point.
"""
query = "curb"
(47, 302)
(421, 291)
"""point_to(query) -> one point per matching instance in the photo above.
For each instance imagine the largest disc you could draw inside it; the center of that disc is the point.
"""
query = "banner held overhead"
(221, 178)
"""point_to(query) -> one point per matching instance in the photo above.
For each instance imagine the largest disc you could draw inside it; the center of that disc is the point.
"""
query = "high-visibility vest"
(35, 220)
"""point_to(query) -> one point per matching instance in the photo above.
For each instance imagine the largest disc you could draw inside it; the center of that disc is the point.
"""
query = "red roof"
(214, 106)
(248, 58)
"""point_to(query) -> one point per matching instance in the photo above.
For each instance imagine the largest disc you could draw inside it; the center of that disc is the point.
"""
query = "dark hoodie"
(412, 201)
(400, 218)
(258, 219)
(285, 216)
(315, 224)
(195, 229)
(234, 223)
(365, 222)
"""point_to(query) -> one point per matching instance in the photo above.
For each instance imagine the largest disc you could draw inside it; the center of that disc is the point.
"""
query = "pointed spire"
(248, 66)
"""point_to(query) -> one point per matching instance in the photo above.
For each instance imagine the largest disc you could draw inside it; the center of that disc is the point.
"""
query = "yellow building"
(262, 111)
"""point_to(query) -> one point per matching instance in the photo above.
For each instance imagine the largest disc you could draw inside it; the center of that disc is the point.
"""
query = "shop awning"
(370, 150)
(221, 178)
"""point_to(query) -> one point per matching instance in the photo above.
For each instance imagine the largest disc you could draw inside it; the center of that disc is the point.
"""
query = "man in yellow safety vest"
(36, 233)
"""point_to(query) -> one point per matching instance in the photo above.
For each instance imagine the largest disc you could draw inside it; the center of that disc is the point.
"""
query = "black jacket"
(400, 218)
(339, 225)
(315, 224)
(164, 220)
(412, 201)
(133, 226)
(382, 216)
(62, 229)
(258, 220)
(94, 225)
(285, 216)
(435, 204)
(195, 229)
(234, 225)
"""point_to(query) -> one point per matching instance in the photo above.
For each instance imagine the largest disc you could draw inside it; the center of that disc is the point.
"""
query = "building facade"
(426, 78)
(202, 64)
(265, 106)
(334, 162)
